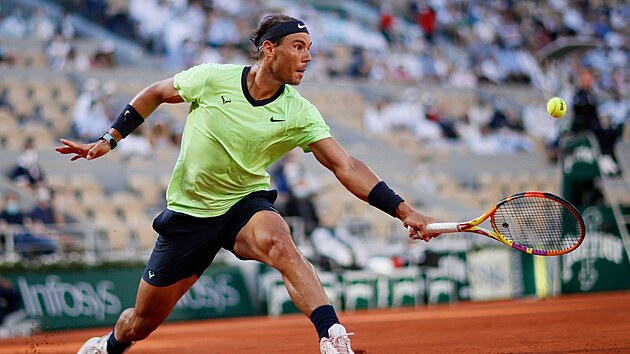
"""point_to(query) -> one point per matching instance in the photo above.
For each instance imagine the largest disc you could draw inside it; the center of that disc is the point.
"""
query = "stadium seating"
(130, 199)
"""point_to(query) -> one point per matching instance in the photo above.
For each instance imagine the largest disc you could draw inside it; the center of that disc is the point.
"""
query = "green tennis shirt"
(230, 139)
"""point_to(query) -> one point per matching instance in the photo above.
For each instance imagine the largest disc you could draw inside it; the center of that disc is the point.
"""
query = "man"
(10, 299)
(585, 104)
(13, 221)
(586, 118)
(241, 119)
(27, 171)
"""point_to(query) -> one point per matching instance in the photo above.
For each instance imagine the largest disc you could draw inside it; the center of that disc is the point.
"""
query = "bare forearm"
(358, 179)
(149, 99)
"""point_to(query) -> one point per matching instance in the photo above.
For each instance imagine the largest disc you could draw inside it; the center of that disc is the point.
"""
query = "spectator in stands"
(44, 211)
(27, 171)
(150, 17)
(15, 25)
(90, 113)
(434, 114)
(104, 57)
(5, 103)
(12, 210)
(46, 219)
(161, 136)
(6, 58)
(57, 51)
(359, 65)
(10, 299)
(14, 222)
(42, 25)
(386, 24)
(137, 144)
(426, 19)
(66, 26)
(462, 77)
(184, 56)
(617, 109)
(222, 30)
(81, 111)
(176, 31)
(97, 119)
(375, 119)
(505, 117)
(75, 62)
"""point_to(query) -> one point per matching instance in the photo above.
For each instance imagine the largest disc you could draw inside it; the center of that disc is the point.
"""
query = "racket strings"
(538, 223)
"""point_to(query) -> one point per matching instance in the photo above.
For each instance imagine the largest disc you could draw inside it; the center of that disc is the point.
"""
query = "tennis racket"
(536, 223)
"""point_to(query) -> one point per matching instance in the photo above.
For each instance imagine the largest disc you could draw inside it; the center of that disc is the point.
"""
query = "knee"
(281, 249)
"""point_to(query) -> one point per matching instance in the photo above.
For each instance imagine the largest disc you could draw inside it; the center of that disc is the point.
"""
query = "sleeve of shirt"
(191, 83)
(314, 129)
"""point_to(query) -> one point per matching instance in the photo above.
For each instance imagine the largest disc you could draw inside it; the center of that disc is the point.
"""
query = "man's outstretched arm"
(361, 181)
(134, 114)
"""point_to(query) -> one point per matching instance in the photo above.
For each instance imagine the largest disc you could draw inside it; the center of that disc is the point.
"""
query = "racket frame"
(473, 225)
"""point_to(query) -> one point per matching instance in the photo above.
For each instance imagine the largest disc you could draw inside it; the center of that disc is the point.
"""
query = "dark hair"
(265, 25)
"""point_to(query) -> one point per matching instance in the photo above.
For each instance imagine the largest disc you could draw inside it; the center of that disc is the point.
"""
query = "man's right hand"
(87, 151)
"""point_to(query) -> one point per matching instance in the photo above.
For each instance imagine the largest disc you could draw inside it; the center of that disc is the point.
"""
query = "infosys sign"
(64, 300)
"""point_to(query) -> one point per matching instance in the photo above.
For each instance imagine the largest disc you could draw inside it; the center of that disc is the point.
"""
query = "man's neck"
(261, 83)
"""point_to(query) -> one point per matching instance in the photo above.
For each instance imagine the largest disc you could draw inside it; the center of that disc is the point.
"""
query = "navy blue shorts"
(187, 245)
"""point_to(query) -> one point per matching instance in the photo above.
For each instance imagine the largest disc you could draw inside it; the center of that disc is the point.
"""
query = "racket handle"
(443, 227)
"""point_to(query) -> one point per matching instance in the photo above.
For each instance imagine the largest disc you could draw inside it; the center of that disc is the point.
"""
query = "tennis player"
(241, 119)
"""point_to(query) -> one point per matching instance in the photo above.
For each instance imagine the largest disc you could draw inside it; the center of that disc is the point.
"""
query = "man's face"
(291, 57)
(586, 79)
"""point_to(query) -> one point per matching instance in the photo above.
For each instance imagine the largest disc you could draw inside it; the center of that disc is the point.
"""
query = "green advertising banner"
(220, 292)
(601, 262)
(578, 158)
(93, 298)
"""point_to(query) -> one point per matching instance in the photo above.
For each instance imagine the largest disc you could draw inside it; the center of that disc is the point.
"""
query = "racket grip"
(443, 227)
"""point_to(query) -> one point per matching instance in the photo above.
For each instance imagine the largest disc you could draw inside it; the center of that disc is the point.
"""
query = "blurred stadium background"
(444, 99)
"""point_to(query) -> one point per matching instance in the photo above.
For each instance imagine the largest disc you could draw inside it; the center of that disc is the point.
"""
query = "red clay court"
(578, 323)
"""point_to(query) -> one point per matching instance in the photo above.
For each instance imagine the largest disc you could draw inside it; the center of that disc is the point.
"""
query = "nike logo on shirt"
(276, 120)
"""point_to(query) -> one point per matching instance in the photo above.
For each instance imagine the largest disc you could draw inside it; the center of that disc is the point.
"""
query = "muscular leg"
(153, 305)
(267, 238)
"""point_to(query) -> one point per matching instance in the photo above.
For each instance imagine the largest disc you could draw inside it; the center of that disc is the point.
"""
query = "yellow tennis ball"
(557, 107)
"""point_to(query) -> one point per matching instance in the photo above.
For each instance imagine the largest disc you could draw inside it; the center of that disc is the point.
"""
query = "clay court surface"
(581, 323)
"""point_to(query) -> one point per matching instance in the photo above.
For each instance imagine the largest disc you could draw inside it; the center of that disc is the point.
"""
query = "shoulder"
(225, 67)
(210, 69)
(206, 74)
(293, 97)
